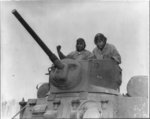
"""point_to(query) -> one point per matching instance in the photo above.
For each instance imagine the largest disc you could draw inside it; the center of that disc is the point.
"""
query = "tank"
(84, 89)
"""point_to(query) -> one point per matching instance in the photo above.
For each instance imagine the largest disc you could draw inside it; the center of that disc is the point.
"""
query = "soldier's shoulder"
(95, 48)
(111, 46)
(72, 53)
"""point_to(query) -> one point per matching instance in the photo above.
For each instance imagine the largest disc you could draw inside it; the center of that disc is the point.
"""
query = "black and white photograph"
(74, 59)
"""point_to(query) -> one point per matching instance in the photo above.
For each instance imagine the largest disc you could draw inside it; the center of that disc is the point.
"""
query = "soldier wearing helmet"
(105, 50)
(80, 54)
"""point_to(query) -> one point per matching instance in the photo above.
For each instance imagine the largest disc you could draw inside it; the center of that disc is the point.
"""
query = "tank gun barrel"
(51, 55)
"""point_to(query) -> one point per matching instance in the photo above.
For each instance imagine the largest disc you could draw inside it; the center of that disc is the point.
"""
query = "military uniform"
(83, 55)
(109, 51)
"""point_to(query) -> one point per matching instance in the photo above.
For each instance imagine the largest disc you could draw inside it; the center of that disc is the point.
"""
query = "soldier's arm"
(93, 54)
(116, 56)
(61, 55)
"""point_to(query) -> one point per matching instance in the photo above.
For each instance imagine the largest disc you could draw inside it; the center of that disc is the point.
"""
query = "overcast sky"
(24, 64)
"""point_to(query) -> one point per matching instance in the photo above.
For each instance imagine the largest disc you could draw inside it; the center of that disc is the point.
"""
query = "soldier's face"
(100, 44)
(80, 46)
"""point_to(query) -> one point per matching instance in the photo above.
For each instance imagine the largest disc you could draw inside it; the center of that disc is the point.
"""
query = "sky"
(24, 64)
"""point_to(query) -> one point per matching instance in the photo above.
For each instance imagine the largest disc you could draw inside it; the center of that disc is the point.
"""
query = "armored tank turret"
(83, 89)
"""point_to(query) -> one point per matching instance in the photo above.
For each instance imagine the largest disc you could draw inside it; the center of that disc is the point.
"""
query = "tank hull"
(77, 105)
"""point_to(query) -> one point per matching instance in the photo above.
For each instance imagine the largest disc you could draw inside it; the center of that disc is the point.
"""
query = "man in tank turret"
(104, 50)
(80, 54)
